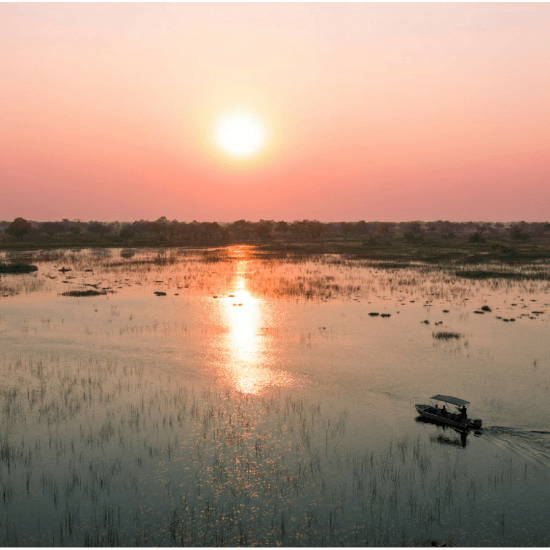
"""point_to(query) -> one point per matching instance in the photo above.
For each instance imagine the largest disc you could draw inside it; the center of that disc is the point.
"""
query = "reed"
(95, 448)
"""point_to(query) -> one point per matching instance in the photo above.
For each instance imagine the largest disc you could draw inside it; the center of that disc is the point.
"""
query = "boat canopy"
(448, 399)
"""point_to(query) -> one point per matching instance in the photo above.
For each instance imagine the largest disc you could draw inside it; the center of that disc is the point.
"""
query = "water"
(258, 402)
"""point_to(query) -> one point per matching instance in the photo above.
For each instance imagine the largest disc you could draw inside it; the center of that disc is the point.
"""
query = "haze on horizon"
(351, 111)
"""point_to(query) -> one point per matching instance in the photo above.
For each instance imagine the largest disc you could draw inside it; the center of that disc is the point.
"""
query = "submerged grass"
(96, 455)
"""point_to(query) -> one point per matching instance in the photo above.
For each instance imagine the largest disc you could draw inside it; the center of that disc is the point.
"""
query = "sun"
(240, 134)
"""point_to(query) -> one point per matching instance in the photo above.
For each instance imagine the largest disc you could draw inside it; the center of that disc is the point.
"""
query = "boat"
(457, 419)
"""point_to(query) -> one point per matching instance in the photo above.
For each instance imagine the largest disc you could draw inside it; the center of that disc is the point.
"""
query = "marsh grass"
(16, 267)
(83, 293)
(95, 455)
(292, 276)
(446, 335)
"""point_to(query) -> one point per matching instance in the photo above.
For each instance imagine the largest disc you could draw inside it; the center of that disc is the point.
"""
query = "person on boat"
(463, 412)
(443, 411)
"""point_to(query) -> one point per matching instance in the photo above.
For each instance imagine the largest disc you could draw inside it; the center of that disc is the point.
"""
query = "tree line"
(173, 232)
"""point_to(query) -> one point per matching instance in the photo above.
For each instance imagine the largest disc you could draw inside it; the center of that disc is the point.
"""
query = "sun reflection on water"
(248, 348)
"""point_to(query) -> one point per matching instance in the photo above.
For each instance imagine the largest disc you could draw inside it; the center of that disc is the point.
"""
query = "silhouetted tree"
(476, 238)
(263, 230)
(171, 230)
(141, 227)
(363, 228)
(414, 232)
(99, 229)
(240, 230)
(384, 228)
(18, 228)
(539, 229)
(282, 228)
(52, 228)
(518, 231)
(346, 228)
(126, 233)
(75, 230)
(212, 231)
(446, 229)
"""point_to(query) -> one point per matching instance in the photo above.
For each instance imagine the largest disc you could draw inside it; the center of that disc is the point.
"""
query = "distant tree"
(476, 238)
(414, 232)
(282, 228)
(431, 227)
(171, 230)
(126, 233)
(315, 229)
(158, 228)
(482, 228)
(141, 227)
(384, 228)
(75, 230)
(99, 229)
(212, 231)
(446, 229)
(240, 230)
(52, 228)
(263, 230)
(363, 228)
(19, 228)
(518, 231)
(538, 229)
(347, 229)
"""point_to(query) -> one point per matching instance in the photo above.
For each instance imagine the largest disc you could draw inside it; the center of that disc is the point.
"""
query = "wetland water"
(257, 401)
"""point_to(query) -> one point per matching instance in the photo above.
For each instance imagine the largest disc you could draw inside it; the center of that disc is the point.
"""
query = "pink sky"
(372, 111)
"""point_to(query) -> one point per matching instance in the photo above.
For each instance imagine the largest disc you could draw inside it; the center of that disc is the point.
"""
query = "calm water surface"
(259, 402)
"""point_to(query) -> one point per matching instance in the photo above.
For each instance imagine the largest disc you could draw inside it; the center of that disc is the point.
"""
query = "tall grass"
(90, 454)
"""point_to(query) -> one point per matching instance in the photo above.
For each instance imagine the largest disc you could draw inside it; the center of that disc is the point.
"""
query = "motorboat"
(457, 418)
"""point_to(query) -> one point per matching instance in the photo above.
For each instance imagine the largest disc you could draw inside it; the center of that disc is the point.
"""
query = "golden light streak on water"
(247, 366)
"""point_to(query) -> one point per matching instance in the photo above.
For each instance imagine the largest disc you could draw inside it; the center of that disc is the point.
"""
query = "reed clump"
(84, 293)
(110, 458)
(446, 335)
(15, 268)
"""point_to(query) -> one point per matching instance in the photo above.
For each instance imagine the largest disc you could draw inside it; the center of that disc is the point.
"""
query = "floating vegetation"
(446, 335)
(17, 268)
(84, 293)
(533, 275)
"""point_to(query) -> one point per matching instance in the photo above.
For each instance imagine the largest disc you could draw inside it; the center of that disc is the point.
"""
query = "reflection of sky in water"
(144, 360)
(247, 366)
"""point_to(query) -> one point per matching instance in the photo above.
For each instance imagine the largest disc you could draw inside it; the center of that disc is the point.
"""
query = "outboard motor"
(476, 422)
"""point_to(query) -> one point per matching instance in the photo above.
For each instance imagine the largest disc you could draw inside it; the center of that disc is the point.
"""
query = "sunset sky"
(332, 111)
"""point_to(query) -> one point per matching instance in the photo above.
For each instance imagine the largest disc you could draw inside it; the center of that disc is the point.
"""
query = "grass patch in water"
(83, 293)
(446, 335)
(17, 268)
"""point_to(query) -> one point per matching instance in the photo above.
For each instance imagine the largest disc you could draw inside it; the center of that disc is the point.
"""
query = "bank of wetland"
(233, 396)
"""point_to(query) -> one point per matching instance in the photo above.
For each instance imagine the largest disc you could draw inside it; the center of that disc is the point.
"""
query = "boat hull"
(427, 411)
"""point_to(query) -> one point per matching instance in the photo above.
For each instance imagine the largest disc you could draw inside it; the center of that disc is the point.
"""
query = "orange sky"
(372, 111)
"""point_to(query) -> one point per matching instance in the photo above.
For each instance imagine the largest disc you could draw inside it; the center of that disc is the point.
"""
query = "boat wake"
(531, 444)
